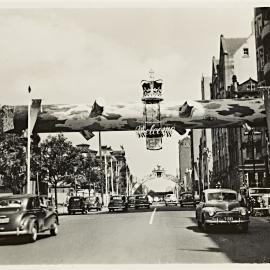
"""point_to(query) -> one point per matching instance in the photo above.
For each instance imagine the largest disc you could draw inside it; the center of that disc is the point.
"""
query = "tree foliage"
(12, 163)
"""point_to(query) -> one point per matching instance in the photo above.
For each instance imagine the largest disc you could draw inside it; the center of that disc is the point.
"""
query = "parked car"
(26, 215)
(187, 199)
(258, 201)
(76, 204)
(118, 202)
(141, 201)
(93, 203)
(221, 207)
(170, 199)
(131, 201)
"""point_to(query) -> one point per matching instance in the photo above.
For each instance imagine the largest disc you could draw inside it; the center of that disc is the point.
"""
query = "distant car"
(156, 199)
(131, 201)
(150, 199)
(258, 201)
(118, 202)
(170, 199)
(187, 199)
(221, 207)
(141, 201)
(76, 204)
(26, 215)
(93, 203)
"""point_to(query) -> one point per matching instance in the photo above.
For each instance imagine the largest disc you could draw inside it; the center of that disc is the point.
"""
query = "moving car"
(258, 201)
(93, 203)
(170, 199)
(221, 207)
(118, 202)
(76, 204)
(141, 201)
(131, 201)
(187, 199)
(26, 215)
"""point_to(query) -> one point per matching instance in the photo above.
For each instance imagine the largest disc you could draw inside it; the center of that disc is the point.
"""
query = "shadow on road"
(21, 240)
(251, 247)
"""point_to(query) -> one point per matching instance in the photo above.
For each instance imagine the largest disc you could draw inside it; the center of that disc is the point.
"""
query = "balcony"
(266, 30)
(266, 68)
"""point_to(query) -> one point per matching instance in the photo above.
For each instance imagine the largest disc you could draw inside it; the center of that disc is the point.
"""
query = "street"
(145, 236)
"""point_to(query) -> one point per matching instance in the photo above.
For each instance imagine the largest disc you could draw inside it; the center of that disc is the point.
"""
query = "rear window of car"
(222, 196)
(10, 203)
(116, 198)
(259, 191)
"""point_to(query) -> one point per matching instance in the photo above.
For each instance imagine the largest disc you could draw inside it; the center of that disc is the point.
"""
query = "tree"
(12, 162)
(57, 158)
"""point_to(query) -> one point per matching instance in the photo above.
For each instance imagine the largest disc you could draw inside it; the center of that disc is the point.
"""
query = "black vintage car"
(141, 201)
(77, 204)
(187, 199)
(26, 215)
(118, 202)
(93, 203)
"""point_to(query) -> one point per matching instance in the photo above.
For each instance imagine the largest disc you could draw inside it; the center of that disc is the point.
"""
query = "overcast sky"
(79, 55)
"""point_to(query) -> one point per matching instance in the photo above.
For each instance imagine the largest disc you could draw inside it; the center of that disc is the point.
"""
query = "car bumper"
(17, 232)
(142, 205)
(220, 221)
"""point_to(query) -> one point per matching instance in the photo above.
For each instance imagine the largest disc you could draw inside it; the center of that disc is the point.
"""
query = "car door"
(200, 207)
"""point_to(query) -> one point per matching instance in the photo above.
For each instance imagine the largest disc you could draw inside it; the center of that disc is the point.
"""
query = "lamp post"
(75, 168)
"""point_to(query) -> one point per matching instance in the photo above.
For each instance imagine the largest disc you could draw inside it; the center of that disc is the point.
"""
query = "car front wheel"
(33, 233)
(54, 229)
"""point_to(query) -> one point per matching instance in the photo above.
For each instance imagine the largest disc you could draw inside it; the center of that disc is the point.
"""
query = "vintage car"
(221, 207)
(187, 199)
(93, 203)
(131, 201)
(142, 200)
(170, 199)
(26, 215)
(76, 204)
(258, 201)
(118, 202)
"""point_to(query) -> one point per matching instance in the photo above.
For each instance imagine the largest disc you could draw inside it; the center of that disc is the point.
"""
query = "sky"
(79, 55)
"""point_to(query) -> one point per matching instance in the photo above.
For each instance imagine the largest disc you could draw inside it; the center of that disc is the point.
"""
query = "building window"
(245, 52)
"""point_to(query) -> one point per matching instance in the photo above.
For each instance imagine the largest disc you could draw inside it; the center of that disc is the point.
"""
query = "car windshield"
(222, 196)
(10, 203)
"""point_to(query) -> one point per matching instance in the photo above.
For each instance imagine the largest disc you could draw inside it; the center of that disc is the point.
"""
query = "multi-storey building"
(185, 163)
(234, 76)
(262, 36)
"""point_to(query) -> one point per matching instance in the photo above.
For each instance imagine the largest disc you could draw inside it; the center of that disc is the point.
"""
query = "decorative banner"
(153, 143)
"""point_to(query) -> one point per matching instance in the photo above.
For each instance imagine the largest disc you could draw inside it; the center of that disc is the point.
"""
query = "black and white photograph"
(134, 134)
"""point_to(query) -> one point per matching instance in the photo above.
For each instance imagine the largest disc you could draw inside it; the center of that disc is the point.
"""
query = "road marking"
(152, 216)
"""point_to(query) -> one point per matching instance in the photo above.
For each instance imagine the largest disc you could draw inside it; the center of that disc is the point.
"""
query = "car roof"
(214, 190)
(18, 196)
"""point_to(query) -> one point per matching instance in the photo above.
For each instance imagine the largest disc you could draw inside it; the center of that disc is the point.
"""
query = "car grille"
(225, 214)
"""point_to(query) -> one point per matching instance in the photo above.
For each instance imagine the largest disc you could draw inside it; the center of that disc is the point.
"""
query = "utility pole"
(100, 156)
(28, 156)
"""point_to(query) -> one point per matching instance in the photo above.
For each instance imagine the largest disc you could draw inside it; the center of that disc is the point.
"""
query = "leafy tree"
(12, 162)
(57, 159)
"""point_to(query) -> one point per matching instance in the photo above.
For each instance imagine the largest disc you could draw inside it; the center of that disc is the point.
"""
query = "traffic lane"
(100, 238)
(251, 247)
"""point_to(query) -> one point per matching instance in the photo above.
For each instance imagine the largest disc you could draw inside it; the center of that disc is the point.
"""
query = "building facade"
(236, 150)
(185, 163)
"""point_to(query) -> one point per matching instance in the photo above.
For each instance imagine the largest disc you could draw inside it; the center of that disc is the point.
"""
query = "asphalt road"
(148, 236)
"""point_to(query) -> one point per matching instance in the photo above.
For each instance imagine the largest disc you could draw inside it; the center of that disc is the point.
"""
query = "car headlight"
(211, 212)
(243, 212)
(259, 199)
